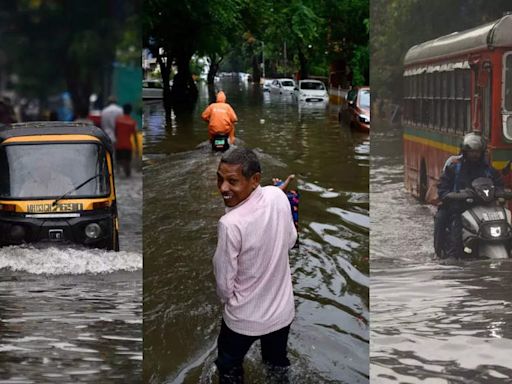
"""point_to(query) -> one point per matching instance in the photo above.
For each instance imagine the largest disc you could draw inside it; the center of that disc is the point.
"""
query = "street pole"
(263, 57)
(285, 61)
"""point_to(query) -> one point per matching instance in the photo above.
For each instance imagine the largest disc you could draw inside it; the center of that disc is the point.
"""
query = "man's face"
(233, 186)
(473, 155)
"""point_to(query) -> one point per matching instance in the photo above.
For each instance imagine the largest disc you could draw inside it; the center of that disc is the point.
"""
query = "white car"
(311, 91)
(266, 85)
(152, 89)
(282, 87)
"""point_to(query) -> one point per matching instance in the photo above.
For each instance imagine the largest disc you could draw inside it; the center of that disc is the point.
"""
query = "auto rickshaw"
(57, 185)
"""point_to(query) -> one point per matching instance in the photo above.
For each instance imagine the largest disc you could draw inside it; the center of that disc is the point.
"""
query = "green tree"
(55, 45)
(397, 25)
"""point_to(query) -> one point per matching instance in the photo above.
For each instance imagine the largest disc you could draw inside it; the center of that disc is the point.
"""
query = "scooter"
(220, 143)
(486, 223)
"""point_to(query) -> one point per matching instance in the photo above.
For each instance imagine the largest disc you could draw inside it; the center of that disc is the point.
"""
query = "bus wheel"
(423, 182)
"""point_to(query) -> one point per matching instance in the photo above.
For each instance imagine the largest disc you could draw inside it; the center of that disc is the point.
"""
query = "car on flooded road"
(266, 85)
(152, 90)
(57, 185)
(282, 86)
(358, 108)
(311, 91)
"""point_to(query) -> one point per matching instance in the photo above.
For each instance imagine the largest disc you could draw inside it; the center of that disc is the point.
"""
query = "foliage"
(397, 25)
(54, 45)
(291, 35)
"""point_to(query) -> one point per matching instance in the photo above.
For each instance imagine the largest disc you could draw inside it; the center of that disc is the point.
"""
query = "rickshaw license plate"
(493, 216)
(56, 234)
(220, 141)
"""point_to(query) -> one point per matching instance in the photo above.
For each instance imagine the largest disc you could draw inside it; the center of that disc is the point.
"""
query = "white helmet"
(473, 142)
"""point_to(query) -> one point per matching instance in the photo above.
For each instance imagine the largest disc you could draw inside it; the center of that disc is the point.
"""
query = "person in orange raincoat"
(221, 118)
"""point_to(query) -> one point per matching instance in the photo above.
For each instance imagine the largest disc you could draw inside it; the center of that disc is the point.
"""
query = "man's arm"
(225, 261)
(206, 113)
(136, 140)
(497, 180)
(446, 181)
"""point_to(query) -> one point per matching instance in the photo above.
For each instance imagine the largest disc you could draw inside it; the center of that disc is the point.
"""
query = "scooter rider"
(221, 118)
(457, 176)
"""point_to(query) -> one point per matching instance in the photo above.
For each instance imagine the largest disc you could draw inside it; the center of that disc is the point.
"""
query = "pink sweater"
(251, 263)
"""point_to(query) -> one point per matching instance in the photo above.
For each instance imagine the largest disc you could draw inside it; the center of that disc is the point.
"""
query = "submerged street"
(432, 321)
(329, 337)
(75, 315)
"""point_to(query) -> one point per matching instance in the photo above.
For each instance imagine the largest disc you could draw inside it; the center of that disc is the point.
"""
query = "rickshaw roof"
(36, 128)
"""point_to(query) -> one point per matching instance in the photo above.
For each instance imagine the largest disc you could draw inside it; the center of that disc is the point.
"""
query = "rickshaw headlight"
(92, 231)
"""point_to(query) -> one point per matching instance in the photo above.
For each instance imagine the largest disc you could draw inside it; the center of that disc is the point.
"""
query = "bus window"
(507, 84)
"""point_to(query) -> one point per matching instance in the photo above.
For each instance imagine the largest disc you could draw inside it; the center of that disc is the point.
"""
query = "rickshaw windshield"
(46, 170)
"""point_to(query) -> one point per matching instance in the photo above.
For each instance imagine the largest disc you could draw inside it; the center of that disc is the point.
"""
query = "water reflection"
(439, 321)
(75, 314)
(329, 337)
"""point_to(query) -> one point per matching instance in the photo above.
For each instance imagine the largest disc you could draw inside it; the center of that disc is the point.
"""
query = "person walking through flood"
(109, 114)
(252, 269)
(221, 118)
(125, 128)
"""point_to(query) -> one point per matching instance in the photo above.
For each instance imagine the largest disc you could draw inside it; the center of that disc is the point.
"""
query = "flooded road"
(75, 315)
(431, 321)
(329, 337)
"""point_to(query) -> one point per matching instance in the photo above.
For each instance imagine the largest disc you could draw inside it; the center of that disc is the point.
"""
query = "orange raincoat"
(221, 118)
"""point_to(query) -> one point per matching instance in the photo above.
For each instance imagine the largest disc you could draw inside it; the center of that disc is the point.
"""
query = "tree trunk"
(214, 67)
(80, 90)
(304, 72)
(184, 91)
(256, 71)
(165, 70)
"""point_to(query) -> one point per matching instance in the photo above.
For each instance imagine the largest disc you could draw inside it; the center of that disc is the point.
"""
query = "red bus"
(455, 84)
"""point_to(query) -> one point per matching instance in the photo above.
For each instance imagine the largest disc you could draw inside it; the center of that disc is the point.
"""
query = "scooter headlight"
(93, 231)
(493, 231)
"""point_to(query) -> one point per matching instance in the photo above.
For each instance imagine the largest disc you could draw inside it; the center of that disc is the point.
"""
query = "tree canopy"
(304, 36)
(56, 45)
(397, 25)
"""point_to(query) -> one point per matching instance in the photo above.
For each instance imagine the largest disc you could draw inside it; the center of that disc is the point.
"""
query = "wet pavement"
(431, 321)
(329, 337)
(75, 314)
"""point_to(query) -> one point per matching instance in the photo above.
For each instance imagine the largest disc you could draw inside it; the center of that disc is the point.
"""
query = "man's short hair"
(127, 109)
(244, 157)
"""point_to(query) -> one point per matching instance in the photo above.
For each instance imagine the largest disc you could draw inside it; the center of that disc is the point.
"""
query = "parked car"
(282, 86)
(358, 104)
(266, 85)
(152, 89)
(311, 91)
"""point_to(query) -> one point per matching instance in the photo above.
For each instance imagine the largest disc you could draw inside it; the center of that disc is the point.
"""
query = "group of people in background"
(120, 127)
(115, 120)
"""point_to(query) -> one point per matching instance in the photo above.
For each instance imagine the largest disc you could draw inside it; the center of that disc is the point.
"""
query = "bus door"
(506, 107)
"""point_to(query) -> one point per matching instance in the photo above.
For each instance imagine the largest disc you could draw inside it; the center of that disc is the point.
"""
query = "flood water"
(75, 315)
(431, 321)
(329, 339)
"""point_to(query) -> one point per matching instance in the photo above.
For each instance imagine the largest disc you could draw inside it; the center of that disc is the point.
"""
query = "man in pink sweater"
(251, 267)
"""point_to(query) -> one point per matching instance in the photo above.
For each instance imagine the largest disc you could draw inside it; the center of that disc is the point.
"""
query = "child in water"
(293, 197)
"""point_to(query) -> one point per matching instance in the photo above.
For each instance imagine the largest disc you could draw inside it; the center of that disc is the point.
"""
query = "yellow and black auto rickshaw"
(57, 185)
